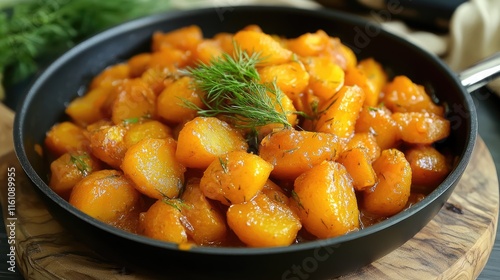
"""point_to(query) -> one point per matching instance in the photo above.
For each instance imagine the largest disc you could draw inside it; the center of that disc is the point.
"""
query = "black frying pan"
(68, 76)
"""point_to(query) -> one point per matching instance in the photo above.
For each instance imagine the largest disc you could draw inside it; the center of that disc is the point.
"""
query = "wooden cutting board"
(455, 245)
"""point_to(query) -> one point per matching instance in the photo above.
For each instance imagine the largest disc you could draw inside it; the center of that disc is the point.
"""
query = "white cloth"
(474, 35)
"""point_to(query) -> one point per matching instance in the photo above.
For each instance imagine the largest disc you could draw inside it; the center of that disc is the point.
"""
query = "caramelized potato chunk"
(370, 76)
(208, 50)
(89, 108)
(185, 38)
(378, 121)
(147, 129)
(263, 222)
(111, 75)
(428, 167)
(356, 77)
(325, 77)
(135, 99)
(269, 50)
(422, 128)
(170, 104)
(293, 152)
(157, 79)
(359, 166)
(235, 177)
(325, 200)
(309, 44)
(275, 192)
(377, 77)
(152, 166)
(202, 140)
(341, 112)
(67, 170)
(291, 77)
(138, 64)
(207, 223)
(169, 59)
(163, 221)
(285, 105)
(66, 137)
(367, 142)
(402, 95)
(106, 195)
(107, 143)
(390, 194)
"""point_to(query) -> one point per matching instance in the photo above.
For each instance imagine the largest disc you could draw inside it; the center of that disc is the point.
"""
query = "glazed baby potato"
(247, 139)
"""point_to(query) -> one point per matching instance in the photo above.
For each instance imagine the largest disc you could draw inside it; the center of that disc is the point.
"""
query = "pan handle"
(481, 73)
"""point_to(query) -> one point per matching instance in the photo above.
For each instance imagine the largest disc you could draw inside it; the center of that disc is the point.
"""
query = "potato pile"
(360, 147)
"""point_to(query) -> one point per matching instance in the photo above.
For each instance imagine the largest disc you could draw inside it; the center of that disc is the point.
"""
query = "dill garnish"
(177, 203)
(81, 165)
(223, 163)
(233, 90)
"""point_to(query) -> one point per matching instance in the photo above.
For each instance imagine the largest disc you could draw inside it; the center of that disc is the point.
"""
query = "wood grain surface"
(454, 245)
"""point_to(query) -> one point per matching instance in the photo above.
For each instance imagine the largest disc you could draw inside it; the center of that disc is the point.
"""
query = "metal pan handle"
(481, 73)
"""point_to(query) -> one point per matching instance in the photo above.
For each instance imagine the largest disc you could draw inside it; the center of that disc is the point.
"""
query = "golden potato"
(429, 167)
(138, 64)
(184, 38)
(147, 129)
(106, 195)
(171, 106)
(111, 75)
(235, 177)
(359, 166)
(152, 166)
(293, 152)
(308, 44)
(107, 143)
(67, 170)
(291, 77)
(325, 200)
(204, 139)
(365, 141)
(275, 192)
(66, 137)
(207, 222)
(341, 112)
(269, 50)
(207, 50)
(157, 79)
(422, 128)
(402, 95)
(377, 77)
(263, 222)
(325, 77)
(163, 221)
(89, 108)
(285, 105)
(390, 194)
(135, 99)
(378, 121)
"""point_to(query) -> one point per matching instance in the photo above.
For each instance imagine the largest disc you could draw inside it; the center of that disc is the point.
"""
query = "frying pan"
(69, 75)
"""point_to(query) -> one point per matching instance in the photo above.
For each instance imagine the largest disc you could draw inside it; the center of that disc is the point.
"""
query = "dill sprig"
(233, 90)
(36, 30)
(81, 165)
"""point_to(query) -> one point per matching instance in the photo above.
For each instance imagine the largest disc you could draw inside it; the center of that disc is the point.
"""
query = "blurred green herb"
(34, 29)
(233, 89)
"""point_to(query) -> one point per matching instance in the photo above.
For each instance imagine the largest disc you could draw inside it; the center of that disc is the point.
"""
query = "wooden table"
(452, 246)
